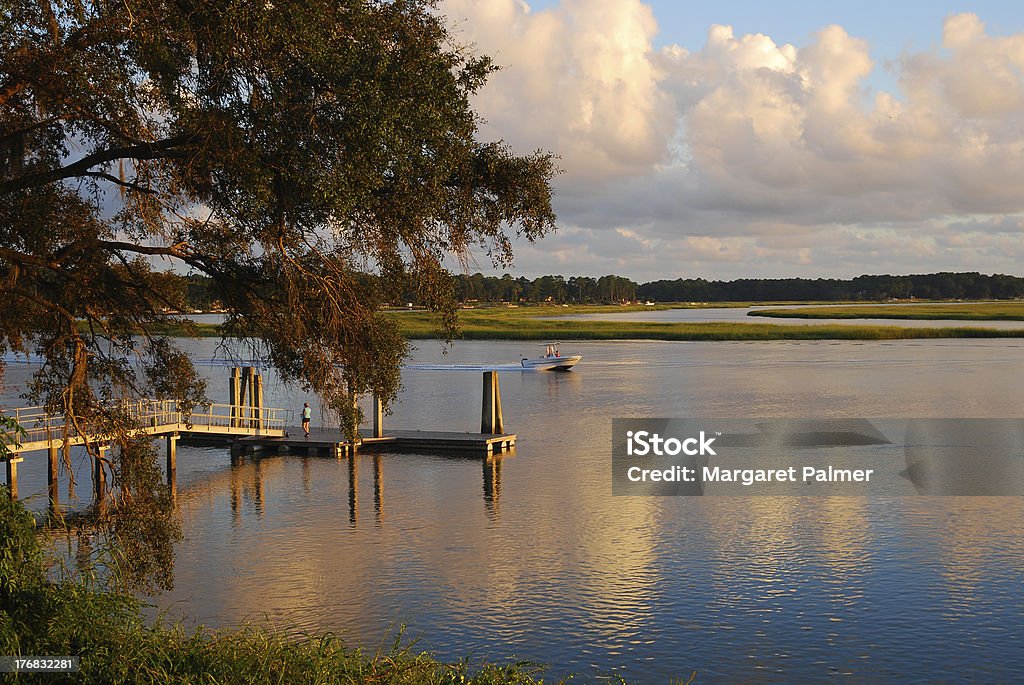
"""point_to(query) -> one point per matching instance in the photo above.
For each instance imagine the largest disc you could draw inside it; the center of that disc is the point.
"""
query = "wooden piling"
(12, 474)
(234, 392)
(257, 402)
(245, 401)
(499, 422)
(52, 485)
(378, 417)
(172, 457)
(487, 404)
(100, 475)
(491, 421)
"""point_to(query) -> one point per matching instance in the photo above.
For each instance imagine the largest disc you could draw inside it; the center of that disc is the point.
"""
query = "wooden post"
(234, 390)
(51, 475)
(487, 406)
(12, 474)
(499, 422)
(490, 416)
(100, 475)
(246, 399)
(172, 457)
(378, 417)
(257, 401)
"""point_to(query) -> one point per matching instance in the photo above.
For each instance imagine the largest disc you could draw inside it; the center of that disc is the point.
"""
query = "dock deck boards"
(334, 441)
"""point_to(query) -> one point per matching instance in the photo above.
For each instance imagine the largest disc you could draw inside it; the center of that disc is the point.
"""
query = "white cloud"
(579, 79)
(696, 155)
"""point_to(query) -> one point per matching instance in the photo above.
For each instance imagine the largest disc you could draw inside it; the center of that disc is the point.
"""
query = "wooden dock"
(327, 442)
(248, 427)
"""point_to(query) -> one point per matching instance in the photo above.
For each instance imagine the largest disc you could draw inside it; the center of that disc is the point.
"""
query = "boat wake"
(465, 367)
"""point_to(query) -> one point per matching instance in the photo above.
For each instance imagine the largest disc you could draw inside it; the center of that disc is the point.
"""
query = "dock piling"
(234, 390)
(12, 474)
(491, 421)
(172, 457)
(257, 402)
(378, 417)
(52, 485)
(100, 474)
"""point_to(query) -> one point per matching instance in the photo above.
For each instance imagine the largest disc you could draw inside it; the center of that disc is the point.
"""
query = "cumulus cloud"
(711, 155)
(579, 79)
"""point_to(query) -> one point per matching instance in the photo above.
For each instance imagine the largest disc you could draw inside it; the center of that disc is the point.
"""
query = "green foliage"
(281, 153)
(278, 152)
(138, 525)
(11, 433)
(172, 376)
(21, 555)
(868, 287)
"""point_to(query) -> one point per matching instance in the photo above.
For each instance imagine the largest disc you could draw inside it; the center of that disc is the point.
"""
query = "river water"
(531, 557)
(742, 315)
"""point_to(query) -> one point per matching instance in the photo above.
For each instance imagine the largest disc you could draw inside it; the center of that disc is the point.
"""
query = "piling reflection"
(235, 494)
(492, 486)
(378, 488)
(353, 489)
(245, 487)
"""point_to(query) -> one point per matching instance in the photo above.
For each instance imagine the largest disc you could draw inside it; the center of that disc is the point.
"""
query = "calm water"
(531, 557)
(740, 315)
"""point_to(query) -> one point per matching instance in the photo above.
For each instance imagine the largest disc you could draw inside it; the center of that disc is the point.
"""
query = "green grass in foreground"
(968, 311)
(39, 617)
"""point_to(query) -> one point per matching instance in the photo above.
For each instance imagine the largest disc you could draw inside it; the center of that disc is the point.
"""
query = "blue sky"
(809, 140)
(889, 27)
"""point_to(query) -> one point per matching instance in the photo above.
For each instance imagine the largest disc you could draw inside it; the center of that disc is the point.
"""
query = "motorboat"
(552, 360)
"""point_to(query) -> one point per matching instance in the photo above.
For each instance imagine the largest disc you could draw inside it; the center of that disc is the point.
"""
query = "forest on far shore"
(473, 288)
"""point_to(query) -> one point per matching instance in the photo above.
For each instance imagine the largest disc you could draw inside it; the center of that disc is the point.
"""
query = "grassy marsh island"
(966, 311)
(536, 323)
(539, 323)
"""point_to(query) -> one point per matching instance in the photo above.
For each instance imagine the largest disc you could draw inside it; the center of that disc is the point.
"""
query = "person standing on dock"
(307, 414)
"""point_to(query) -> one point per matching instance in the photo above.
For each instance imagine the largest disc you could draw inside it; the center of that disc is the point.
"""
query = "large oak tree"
(281, 148)
(284, 149)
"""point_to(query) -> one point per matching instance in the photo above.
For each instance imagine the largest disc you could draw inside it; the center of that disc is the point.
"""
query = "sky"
(759, 139)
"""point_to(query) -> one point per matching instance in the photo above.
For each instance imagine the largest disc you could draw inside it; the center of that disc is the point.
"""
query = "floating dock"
(327, 442)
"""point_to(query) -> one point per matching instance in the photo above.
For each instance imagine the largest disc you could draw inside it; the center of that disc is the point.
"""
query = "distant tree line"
(473, 288)
(614, 289)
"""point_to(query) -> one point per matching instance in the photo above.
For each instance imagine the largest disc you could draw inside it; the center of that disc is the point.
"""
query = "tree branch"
(115, 180)
(160, 149)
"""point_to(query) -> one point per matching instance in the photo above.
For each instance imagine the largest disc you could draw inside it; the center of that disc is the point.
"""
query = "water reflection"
(553, 568)
(378, 488)
(492, 486)
(353, 490)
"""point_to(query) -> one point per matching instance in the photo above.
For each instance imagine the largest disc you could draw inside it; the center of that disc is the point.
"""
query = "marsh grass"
(537, 323)
(967, 311)
(531, 324)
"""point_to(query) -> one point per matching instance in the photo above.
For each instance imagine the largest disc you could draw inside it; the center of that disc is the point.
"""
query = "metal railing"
(155, 416)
